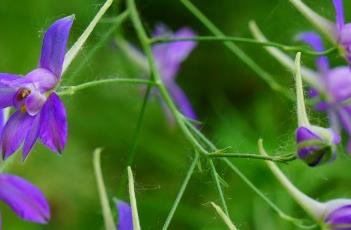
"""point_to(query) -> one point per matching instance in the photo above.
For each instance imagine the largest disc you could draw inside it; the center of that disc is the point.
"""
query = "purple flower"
(343, 30)
(39, 110)
(169, 58)
(125, 218)
(336, 90)
(26, 200)
(316, 145)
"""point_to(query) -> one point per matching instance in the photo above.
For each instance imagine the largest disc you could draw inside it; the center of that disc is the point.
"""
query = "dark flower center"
(22, 94)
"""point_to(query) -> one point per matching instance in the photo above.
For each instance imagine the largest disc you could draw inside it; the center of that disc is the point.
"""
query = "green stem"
(181, 191)
(133, 202)
(218, 186)
(70, 90)
(236, 50)
(106, 209)
(224, 217)
(314, 208)
(155, 76)
(242, 40)
(132, 152)
(281, 159)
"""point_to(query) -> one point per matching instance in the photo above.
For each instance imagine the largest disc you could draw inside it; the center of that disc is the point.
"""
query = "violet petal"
(339, 11)
(125, 218)
(26, 200)
(14, 132)
(34, 102)
(315, 41)
(32, 136)
(53, 130)
(182, 101)
(54, 45)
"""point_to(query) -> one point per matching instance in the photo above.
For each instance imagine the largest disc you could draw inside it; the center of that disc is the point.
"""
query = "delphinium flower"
(338, 33)
(25, 199)
(39, 112)
(169, 58)
(333, 215)
(330, 87)
(315, 145)
(125, 217)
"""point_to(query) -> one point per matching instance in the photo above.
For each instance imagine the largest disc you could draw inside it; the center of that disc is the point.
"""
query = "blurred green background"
(235, 106)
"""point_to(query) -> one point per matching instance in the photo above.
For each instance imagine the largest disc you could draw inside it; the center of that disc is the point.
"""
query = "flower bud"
(316, 145)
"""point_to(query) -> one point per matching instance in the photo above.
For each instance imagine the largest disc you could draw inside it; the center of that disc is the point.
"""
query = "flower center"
(22, 94)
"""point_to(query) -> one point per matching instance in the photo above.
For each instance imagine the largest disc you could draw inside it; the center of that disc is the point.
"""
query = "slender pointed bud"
(322, 24)
(301, 109)
(315, 145)
(333, 215)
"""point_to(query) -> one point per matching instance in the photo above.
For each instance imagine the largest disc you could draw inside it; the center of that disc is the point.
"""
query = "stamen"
(22, 94)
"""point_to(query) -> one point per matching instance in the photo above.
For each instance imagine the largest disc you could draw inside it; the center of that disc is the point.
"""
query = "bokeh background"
(235, 106)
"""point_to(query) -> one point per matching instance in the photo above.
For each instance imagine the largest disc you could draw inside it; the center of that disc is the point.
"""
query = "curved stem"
(312, 207)
(241, 40)
(310, 76)
(224, 217)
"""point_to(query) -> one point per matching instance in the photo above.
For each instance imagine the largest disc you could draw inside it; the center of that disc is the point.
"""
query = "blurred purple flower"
(338, 214)
(343, 30)
(39, 110)
(125, 218)
(26, 200)
(169, 58)
(316, 145)
(336, 91)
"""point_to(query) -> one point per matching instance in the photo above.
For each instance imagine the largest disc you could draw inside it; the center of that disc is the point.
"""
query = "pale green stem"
(181, 191)
(106, 209)
(133, 203)
(280, 159)
(224, 217)
(325, 26)
(314, 208)
(310, 76)
(236, 50)
(301, 109)
(72, 53)
(70, 90)
(241, 40)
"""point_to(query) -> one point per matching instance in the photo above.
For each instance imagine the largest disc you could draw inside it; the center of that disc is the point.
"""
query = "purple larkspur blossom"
(25, 199)
(336, 83)
(343, 29)
(39, 111)
(316, 145)
(169, 58)
(125, 218)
